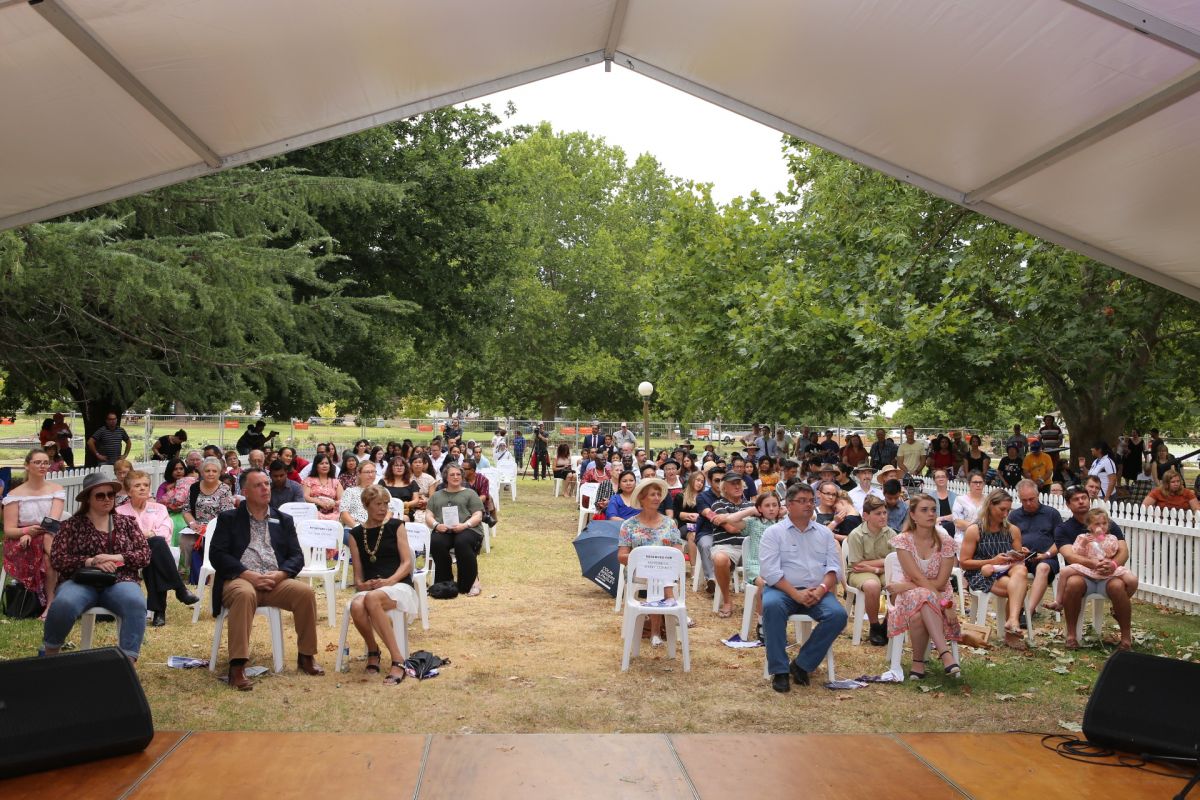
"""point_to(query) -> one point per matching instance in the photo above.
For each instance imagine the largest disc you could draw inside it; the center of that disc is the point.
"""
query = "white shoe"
(656, 641)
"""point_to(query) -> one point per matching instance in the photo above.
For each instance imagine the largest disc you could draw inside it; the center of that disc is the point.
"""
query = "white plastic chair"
(961, 580)
(674, 618)
(748, 610)
(891, 565)
(495, 479)
(803, 624)
(418, 542)
(87, 625)
(299, 511)
(508, 472)
(856, 603)
(274, 620)
(206, 570)
(736, 581)
(399, 629)
(317, 537)
(981, 602)
(587, 504)
(1097, 599)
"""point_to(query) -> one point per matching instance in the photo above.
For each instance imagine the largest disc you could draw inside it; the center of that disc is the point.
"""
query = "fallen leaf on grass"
(1070, 726)
(329, 648)
(844, 697)
(1026, 695)
(1003, 698)
(1061, 670)
(926, 689)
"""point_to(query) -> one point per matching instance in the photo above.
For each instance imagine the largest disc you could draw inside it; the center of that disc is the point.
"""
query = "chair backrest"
(418, 537)
(655, 583)
(299, 511)
(508, 471)
(317, 536)
(494, 478)
(587, 496)
(891, 567)
(209, 528)
(397, 507)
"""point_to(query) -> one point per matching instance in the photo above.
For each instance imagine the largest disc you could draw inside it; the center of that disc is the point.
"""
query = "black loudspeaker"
(1146, 704)
(70, 708)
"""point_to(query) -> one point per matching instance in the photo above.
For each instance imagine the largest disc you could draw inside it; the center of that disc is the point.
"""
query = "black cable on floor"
(1076, 749)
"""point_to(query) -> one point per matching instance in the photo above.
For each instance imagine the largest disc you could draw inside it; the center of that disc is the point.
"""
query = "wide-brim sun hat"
(888, 471)
(646, 483)
(94, 480)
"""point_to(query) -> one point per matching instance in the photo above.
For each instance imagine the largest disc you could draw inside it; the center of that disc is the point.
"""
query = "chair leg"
(627, 645)
(201, 591)
(400, 630)
(896, 651)
(331, 599)
(1097, 617)
(343, 634)
(620, 590)
(683, 640)
(218, 625)
(275, 618)
(423, 602)
(857, 610)
(748, 611)
(87, 629)
(671, 623)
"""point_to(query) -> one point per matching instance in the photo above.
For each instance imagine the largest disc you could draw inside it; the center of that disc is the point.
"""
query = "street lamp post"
(645, 389)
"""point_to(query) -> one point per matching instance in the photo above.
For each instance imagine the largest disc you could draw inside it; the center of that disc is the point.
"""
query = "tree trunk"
(549, 409)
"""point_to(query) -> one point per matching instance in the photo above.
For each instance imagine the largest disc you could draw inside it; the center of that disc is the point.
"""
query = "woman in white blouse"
(27, 543)
(966, 506)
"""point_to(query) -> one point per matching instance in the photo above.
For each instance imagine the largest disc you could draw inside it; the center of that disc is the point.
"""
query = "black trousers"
(465, 546)
(541, 461)
(161, 575)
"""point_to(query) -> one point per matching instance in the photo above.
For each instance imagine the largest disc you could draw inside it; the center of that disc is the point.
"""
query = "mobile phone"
(50, 525)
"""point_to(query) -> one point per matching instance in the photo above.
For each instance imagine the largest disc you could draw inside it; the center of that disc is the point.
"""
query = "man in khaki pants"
(256, 557)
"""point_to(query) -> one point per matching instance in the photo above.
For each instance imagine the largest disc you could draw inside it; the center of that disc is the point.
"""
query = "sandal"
(1055, 606)
(952, 669)
(916, 676)
(395, 680)
(725, 613)
(373, 669)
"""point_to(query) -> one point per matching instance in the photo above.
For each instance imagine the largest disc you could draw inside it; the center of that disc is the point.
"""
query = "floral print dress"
(907, 605)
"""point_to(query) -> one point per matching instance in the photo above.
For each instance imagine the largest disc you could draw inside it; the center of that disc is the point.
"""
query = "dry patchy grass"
(539, 651)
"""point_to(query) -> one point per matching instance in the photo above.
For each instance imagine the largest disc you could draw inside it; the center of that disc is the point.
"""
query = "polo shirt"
(721, 536)
(1070, 529)
(910, 455)
(108, 442)
(704, 500)
(1037, 529)
(1039, 466)
(862, 545)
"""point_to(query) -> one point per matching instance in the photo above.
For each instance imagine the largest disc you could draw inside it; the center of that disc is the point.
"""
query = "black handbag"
(94, 577)
(20, 603)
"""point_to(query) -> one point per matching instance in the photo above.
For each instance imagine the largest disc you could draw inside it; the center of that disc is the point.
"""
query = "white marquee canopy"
(1077, 120)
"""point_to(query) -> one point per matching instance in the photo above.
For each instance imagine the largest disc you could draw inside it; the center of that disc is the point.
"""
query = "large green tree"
(960, 309)
(202, 293)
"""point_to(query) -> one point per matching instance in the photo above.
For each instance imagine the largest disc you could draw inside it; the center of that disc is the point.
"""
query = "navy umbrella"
(597, 551)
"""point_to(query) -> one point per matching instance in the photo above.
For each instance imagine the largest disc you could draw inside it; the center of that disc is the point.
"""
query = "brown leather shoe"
(308, 665)
(238, 679)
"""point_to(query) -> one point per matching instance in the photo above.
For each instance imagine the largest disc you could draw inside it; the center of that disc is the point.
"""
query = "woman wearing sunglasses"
(99, 556)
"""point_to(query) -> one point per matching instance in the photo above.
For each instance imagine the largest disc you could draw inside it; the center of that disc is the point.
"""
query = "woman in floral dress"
(922, 601)
(322, 488)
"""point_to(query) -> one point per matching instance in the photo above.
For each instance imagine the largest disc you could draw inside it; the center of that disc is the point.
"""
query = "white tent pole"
(85, 42)
(1134, 112)
(614, 32)
(1156, 28)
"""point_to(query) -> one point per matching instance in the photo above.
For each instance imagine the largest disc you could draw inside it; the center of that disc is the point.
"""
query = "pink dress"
(328, 489)
(1104, 548)
(908, 604)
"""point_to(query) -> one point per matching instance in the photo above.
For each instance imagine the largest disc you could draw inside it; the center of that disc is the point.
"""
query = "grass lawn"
(540, 650)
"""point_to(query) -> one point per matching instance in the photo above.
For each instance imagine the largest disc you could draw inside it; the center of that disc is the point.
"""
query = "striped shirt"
(108, 442)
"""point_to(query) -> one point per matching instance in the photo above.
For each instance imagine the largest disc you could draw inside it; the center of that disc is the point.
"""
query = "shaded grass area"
(540, 649)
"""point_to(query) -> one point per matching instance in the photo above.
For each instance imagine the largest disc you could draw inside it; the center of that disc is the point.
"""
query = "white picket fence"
(1164, 548)
(72, 479)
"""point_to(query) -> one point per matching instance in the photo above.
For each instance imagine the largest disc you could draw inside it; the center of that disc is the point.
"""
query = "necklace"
(371, 551)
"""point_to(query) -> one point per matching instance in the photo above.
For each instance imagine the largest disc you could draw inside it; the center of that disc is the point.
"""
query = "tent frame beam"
(1131, 114)
(615, 26)
(908, 176)
(75, 32)
(1157, 28)
(303, 140)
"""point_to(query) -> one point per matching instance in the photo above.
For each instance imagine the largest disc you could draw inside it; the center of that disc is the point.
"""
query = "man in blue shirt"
(1037, 522)
(801, 565)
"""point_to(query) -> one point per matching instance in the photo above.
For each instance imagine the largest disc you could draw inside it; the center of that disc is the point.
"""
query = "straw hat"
(645, 484)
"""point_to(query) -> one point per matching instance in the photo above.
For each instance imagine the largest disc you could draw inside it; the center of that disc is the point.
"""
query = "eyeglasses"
(103, 495)
(802, 500)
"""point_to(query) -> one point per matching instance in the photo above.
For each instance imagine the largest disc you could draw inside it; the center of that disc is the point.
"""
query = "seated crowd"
(839, 514)
(120, 537)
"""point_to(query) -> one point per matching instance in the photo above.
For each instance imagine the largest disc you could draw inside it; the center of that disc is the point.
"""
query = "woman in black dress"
(383, 564)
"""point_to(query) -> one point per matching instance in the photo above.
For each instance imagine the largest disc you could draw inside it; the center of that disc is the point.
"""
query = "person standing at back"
(110, 442)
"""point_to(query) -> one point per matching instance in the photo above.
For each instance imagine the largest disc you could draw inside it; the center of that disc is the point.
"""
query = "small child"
(1097, 544)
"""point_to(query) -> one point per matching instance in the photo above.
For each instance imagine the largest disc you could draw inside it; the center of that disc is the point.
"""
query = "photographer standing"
(541, 452)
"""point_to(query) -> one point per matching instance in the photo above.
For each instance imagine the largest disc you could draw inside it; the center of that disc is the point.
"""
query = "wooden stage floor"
(286, 765)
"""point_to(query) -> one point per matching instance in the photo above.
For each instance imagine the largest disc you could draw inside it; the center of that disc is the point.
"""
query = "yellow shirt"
(1039, 466)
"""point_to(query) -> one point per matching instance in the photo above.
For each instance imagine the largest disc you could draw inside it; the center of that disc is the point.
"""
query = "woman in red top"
(943, 455)
(854, 454)
(1170, 493)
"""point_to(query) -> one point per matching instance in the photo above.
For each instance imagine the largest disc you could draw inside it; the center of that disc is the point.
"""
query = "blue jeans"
(124, 599)
(777, 607)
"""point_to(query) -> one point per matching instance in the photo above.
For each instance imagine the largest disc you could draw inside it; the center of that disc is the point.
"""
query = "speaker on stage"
(1146, 704)
(70, 708)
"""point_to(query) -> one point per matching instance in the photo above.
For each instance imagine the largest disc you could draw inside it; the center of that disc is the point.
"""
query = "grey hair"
(220, 465)
(1025, 483)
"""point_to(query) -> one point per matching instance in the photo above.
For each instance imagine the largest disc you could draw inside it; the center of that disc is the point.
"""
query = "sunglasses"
(103, 495)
